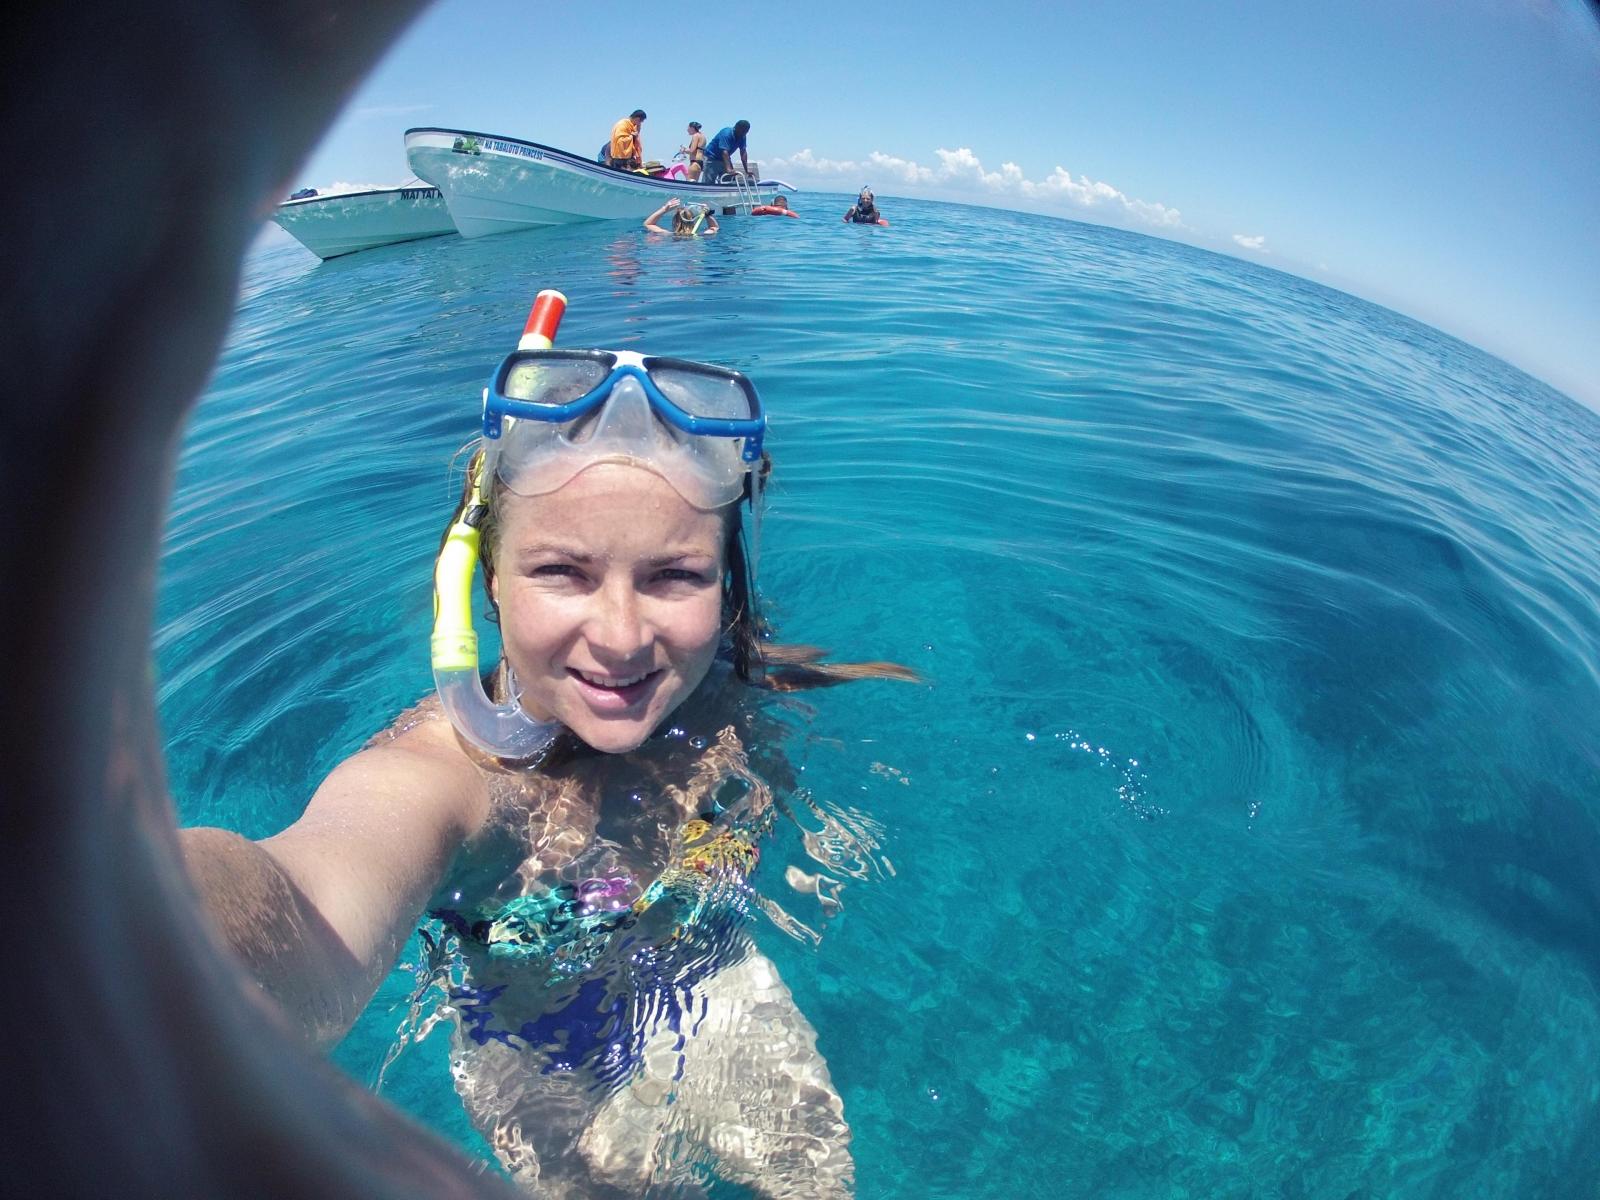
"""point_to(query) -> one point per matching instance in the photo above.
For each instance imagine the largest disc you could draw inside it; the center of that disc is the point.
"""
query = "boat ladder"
(747, 191)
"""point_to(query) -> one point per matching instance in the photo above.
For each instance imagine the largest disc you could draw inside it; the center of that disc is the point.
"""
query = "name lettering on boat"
(516, 148)
(418, 193)
(474, 145)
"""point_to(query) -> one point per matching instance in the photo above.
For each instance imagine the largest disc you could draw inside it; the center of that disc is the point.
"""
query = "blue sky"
(1441, 157)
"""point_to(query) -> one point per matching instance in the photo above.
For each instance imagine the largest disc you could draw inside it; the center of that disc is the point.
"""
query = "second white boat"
(496, 184)
(337, 223)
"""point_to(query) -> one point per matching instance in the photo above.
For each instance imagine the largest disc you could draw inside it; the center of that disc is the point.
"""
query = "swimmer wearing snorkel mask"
(584, 819)
(688, 220)
(865, 210)
(185, 1070)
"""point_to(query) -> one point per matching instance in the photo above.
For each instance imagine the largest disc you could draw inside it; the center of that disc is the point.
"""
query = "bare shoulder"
(422, 725)
(382, 829)
(414, 773)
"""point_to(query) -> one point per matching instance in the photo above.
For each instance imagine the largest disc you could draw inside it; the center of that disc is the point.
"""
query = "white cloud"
(1253, 241)
(961, 171)
(900, 168)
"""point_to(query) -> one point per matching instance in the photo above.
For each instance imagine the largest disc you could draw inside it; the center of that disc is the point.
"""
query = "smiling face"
(610, 599)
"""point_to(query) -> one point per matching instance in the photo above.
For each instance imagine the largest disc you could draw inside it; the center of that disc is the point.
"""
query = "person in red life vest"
(778, 208)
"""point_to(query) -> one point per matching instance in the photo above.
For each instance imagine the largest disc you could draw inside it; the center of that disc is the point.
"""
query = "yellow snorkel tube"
(501, 730)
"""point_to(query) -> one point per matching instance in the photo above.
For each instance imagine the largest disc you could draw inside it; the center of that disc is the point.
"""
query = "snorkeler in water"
(569, 818)
(688, 220)
(182, 1070)
(864, 211)
(778, 208)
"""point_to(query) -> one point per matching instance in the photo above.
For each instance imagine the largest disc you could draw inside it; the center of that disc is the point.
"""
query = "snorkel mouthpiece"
(501, 730)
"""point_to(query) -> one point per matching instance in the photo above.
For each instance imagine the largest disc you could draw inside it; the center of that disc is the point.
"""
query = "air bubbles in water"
(1131, 779)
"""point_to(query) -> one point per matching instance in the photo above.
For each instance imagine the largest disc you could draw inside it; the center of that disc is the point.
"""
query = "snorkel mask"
(549, 414)
(686, 221)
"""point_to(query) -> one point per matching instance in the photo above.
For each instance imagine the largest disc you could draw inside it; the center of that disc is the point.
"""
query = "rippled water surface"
(1244, 839)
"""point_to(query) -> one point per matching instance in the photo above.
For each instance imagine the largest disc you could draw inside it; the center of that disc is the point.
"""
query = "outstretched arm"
(143, 1005)
(320, 912)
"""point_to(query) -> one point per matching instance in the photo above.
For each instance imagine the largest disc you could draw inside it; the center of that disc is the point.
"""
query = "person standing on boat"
(695, 151)
(626, 151)
(719, 151)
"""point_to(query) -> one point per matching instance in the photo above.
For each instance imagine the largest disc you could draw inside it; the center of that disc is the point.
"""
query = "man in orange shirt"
(627, 148)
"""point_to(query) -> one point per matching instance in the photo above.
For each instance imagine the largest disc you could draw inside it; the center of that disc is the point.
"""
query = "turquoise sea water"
(1245, 839)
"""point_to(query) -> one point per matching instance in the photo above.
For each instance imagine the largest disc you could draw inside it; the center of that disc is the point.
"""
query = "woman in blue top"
(719, 152)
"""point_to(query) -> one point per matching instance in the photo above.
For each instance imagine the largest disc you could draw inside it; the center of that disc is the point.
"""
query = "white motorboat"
(329, 225)
(496, 184)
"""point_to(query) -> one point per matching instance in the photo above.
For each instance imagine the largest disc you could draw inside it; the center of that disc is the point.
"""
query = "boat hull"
(330, 226)
(497, 184)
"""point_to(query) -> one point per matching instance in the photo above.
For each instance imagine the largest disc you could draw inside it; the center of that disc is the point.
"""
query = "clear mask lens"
(534, 458)
(701, 394)
(553, 381)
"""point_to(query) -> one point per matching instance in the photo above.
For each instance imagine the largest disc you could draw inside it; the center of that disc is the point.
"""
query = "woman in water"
(691, 220)
(864, 211)
(585, 827)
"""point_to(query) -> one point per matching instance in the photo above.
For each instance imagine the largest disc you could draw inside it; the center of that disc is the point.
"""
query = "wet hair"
(685, 217)
(740, 128)
(695, 125)
(637, 114)
(746, 638)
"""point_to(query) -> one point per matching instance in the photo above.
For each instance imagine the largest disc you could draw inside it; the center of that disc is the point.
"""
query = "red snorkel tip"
(543, 321)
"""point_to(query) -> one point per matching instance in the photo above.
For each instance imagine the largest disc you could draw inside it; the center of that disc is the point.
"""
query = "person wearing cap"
(695, 151)
(719, 151)
(626, 151)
